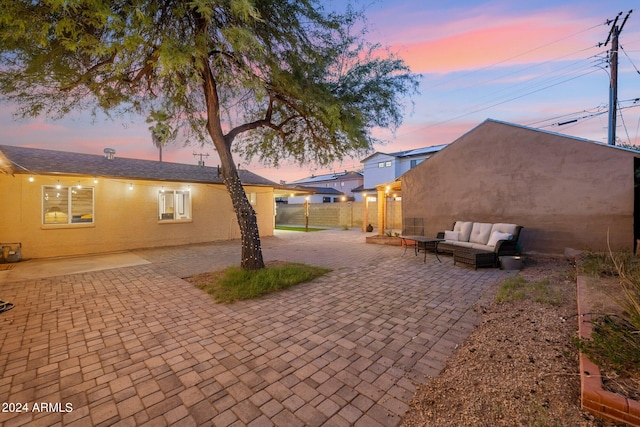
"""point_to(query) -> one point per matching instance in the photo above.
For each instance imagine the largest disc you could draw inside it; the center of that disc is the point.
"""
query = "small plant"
(388, 233)
(599, 264)
(345, 227)
(614, 344)
(517, 288)
(615, 340)
(511, 289)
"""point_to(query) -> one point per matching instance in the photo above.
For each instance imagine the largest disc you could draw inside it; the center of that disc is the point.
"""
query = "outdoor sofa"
(480, 244)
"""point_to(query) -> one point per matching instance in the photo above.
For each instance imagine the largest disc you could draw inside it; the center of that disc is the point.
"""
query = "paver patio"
(138, 345)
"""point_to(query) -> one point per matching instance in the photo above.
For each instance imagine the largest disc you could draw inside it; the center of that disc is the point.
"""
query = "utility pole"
(613, 81)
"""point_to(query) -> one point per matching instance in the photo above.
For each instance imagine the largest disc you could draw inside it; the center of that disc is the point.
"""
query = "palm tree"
(161, 131)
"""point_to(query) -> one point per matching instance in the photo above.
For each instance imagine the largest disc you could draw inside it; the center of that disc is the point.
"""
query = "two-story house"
(328, 188)
(382, 168)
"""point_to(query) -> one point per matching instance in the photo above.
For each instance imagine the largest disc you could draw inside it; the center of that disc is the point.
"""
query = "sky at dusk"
(536, 64)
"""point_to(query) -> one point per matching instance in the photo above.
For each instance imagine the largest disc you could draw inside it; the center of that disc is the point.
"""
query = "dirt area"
(517, 368)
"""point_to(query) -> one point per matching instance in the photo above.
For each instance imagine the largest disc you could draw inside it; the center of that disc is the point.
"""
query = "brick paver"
(140, 346)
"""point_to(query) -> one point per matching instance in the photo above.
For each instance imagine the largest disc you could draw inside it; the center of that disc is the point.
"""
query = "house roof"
(409, 153)
(328, 177)
(326, 190)
(577, 138)
(23, 160)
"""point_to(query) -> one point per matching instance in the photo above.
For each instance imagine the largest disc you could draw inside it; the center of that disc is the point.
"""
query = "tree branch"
(83, 77)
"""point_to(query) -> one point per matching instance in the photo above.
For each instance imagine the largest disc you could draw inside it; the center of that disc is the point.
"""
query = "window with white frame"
(67, 205)
(174, 205)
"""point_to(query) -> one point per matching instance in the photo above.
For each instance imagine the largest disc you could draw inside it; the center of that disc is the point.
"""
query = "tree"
(161, 132)
(268, 78)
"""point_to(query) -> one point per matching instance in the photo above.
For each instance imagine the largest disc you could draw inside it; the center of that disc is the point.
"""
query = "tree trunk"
(246, 216)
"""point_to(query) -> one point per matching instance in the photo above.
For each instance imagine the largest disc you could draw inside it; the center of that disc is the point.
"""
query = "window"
(380, 164)
(67, 205)
(174, 205)
(387, 164)
(326, 200)
(416, 162)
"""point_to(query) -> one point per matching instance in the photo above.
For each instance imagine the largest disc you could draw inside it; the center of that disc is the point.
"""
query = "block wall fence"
(340, 214)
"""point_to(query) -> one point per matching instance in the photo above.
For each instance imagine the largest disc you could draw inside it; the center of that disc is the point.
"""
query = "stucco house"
(327, 188)
(62, 203)
(567, 192)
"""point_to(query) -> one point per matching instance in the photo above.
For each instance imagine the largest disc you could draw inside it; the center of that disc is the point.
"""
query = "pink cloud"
(488, 46)
(430, 41)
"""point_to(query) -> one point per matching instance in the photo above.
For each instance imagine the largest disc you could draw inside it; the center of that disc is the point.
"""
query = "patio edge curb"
(593, 398)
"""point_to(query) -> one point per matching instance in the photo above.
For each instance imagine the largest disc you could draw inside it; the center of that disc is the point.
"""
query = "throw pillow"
(497, 236)
(452, 235)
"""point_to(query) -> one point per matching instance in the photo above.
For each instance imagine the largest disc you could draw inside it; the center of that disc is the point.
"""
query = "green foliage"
(614, 344)
(516, 288)
(161, 131)
(292, 80)
(235, 284)
(615, 340)
(271, 79)
(597, 264)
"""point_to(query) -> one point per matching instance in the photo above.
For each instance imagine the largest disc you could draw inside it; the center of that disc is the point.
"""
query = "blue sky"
(535, 63)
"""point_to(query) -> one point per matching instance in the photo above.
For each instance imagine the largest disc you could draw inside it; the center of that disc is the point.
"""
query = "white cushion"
(464, 228)
(464, 244)
(451, 235)
(497, 236)
(483, 247)
(480, 233)
(504, 228)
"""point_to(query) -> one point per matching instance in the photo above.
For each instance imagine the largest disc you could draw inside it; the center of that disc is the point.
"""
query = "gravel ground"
(518, 368)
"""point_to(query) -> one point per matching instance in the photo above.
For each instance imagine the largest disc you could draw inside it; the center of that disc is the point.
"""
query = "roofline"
(561, 135)
(16, 168)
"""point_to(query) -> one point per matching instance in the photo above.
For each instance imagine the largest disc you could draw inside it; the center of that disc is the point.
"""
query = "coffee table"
(422, 243)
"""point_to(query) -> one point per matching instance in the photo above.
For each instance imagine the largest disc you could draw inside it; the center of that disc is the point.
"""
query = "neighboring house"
(61, 203)
(567, 192)
(382, 168)
(319, 195)
(328, 187)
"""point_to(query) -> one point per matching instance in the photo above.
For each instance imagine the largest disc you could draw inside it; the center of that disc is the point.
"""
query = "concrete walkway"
(137, 345)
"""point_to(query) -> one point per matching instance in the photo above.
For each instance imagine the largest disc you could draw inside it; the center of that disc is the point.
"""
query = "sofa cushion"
(452, 235)
(464, 228)
(480, 232)
(460, 244)
(483, 247)
(504, 228)
(496, 236)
